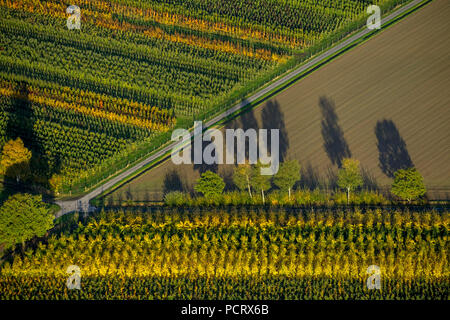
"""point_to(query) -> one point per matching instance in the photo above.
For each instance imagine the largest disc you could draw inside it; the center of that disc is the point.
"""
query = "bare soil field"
(385, 103)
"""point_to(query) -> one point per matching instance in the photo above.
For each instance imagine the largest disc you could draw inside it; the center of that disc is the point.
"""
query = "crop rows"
(256, 254)
(68, 141)
(143, 64)
(102, 106)
(289, 24)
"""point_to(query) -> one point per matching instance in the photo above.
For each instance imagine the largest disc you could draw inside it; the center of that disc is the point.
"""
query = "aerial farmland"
(218, 150)
(384, 103)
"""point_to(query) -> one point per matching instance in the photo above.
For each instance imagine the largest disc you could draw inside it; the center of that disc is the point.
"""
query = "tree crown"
(349, 176)
(210, 184)
(15, 158)
(240, 175)
(287, 175)
(259, 181)
(408, 184)
(23, 216)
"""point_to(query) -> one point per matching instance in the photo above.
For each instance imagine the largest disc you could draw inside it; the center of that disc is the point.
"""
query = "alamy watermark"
(374, 21)
(74, 280)
(74, 21)
(213, 152)
(374, 280)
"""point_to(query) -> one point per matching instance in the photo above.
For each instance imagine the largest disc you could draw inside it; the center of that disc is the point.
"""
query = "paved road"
(82, 204)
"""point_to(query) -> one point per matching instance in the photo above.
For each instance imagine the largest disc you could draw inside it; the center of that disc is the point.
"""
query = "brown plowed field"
(386, 103)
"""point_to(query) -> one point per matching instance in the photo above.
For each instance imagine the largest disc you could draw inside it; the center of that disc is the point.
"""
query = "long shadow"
(331, 178)
(129, 194)
(273, 118)
(335, 144)
(19, 104)
(227, 176)
(393, 154)
(370, 181)
(20, 124)
(310, 178)
(203, 167)
(246, 120)
(172, 182)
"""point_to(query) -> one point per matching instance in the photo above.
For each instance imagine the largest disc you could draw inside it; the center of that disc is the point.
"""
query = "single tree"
(15, 159)
(287, 176)
(408, 184)
(23, 216)
(241, 177)
(258, 181)
(210, 184)
(349, 176)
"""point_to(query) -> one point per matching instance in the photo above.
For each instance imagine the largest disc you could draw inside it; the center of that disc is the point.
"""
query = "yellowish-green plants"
(408, 184)
(237, 254)
(138, 68)
(15, 159)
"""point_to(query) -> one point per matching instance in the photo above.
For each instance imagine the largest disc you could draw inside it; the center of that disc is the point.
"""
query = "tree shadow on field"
(119, 199)
(248, 120)
(146, 197)
(370, 182)
(21, 124)
(129, 194)
(245, 121)
(203, 167)
(335, 144)
(273, 118)
(172, 182)
(393, 154)
(227, 176)
(310, 177)
(331, 178)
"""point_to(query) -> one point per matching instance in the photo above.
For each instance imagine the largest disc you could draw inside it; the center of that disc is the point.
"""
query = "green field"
(384, 103)
(92, 103)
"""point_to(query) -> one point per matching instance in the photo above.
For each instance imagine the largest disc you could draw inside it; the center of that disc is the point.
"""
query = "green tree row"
(408, 183)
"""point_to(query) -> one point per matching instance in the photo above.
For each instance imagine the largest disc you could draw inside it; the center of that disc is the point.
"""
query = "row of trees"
(137, 52)
(52, 94)
(286, 24)
(156, 80)
(247, 177)
(178, 76)
(408, 183)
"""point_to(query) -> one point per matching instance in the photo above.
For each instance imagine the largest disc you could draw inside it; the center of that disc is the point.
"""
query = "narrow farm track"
(83, 202)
